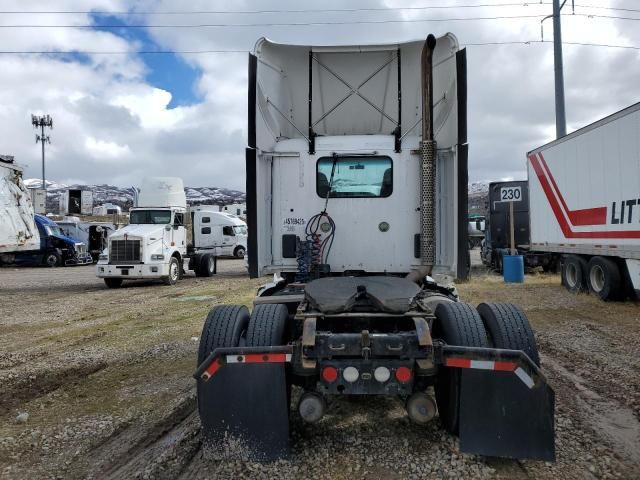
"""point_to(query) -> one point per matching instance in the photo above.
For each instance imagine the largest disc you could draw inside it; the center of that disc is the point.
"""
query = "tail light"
(403, 374)
(329, 374)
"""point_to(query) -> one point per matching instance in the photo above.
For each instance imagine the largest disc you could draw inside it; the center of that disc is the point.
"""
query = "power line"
(531, 4)
(256, 12)
(205, 52)
(307, 24)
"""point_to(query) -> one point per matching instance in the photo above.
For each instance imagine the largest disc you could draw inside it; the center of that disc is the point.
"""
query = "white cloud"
(107, 115)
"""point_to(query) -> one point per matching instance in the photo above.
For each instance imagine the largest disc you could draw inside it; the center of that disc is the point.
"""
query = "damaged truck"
(357, 205)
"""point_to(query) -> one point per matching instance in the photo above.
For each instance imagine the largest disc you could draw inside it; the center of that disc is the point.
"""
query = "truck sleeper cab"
(223, 231)
(363, 242)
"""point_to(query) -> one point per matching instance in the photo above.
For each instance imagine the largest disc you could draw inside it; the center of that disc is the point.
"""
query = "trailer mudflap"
(506, 406)
(244, 404)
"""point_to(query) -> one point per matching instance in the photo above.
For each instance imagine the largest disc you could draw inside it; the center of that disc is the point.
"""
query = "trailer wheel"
(603, 278)
(574, 272)
(113, 282)
(174, 272)
(222, 328)
(207, 265)
(457, 324)
(53, 259)
(267, 324)
(508, 327)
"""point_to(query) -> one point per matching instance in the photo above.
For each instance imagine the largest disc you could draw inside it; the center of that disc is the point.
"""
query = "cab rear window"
(354, 177)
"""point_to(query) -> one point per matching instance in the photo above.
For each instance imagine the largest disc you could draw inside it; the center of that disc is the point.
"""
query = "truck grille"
(81, 249)
(124, 251)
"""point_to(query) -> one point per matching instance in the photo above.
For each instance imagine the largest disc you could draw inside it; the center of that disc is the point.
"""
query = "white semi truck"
(356, 204)
(213, 228)
(154, 244)
(584, 199)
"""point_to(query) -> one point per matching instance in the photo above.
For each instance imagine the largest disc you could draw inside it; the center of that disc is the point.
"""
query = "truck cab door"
(228, 236)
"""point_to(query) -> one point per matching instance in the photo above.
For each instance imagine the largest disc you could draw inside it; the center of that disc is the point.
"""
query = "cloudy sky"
(119, 117)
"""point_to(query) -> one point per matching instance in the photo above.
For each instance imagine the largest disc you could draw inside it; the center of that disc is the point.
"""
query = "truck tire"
(508, 327)
(239, 252)
(174, 272)
(194, 264)
(207, 265)
(604, 278)
(53, 259)
(222, 328)
(574, 273)
(457, 324)
(113, 282)
(267, 324)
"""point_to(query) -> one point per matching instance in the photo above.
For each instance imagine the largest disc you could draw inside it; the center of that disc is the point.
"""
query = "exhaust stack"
(427, 168)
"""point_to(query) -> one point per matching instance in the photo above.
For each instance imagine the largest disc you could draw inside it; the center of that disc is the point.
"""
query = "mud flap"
(244, 412)
(501, 416)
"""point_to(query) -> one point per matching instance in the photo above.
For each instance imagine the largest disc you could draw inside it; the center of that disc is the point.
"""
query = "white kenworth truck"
(154, 245)
(356, 204)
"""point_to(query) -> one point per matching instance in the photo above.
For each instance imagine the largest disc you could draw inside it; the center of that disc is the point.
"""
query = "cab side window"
(228, 231)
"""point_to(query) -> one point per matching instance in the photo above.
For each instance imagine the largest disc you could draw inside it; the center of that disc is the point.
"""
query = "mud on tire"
(457, 324)
(508, 327)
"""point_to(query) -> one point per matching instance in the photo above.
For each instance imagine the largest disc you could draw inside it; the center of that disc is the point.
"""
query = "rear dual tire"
(501, 325)
(600, 275)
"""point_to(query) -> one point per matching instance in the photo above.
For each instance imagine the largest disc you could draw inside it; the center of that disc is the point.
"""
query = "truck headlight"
(103, 256)
(158, 256)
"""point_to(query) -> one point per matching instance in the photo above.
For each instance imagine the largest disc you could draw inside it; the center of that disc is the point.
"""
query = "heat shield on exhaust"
(244, 410)
(500, 416)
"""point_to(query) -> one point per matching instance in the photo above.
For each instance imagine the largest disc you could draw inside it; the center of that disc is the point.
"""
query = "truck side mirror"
(167, 227)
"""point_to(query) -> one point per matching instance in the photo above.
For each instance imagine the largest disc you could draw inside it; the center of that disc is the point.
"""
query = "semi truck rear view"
(356, 205)
(585, 204)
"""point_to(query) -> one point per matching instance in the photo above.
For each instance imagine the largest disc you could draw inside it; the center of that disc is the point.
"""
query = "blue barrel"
(513, 268)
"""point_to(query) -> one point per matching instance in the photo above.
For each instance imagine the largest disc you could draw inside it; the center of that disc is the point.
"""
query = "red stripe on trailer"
(559, 213)
(458, 362)
(582, 217)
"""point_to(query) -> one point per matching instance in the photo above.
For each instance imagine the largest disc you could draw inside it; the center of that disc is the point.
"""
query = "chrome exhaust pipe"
(427, 168)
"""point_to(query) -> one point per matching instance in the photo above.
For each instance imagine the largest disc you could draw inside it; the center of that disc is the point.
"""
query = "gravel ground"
(96, 383)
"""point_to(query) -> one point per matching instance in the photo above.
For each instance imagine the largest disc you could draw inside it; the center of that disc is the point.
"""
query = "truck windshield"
(54, 230)
(359, 176)
(240, 230)
(150, 217)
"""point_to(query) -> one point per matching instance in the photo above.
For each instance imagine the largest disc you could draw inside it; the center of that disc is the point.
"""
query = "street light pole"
(561, 121)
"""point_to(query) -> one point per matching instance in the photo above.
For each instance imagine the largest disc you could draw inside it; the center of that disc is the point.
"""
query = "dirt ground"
(96, 383)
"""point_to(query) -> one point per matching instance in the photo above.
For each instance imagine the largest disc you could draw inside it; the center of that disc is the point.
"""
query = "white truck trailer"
(154, 244)
(18, 229)
(585, 204)
(356, 204)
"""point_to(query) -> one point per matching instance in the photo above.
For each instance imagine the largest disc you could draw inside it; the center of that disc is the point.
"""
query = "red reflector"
(329, 374)
(403, 374)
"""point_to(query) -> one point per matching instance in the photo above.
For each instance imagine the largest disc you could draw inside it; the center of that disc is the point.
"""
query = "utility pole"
(561, 121)
(41, 121)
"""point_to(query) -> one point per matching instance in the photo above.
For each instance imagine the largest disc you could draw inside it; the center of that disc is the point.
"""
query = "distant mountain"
(123, 196)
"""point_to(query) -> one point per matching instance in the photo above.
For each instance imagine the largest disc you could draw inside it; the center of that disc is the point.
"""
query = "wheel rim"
(52, 260)
(210, 264)
(596, 278)
(240, 253)
(174, 271)
(572, 275)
